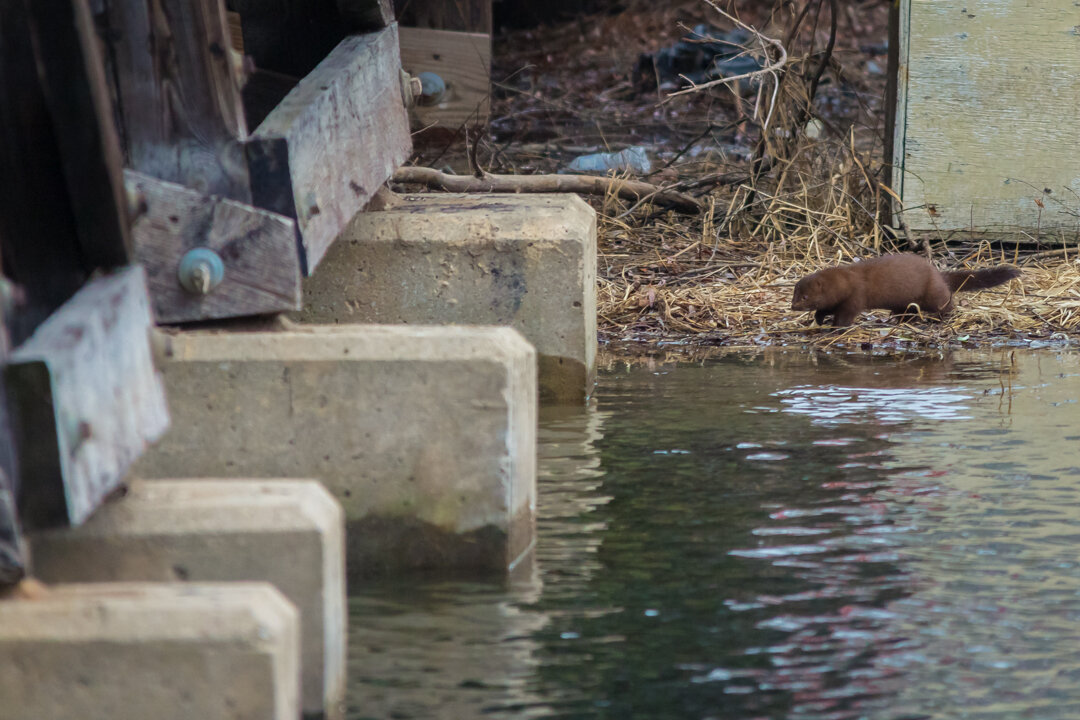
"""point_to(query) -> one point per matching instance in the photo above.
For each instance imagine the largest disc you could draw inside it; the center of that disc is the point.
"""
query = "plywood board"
(985, 128)
(463, 61)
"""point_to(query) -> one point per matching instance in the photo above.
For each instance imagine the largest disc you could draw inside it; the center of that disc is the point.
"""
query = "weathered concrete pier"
(425, 435)
(527, 262)
(215, 162)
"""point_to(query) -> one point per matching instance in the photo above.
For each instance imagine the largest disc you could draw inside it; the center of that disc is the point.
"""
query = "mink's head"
(820, 290)
(807, 293)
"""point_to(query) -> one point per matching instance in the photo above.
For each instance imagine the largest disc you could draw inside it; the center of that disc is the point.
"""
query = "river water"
(778, 535)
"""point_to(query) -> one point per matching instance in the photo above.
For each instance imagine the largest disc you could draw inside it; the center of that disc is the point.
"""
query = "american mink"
(889, 282)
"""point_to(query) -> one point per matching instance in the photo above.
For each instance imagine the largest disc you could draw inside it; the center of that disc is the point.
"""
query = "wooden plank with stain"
(463, 61)
(257, 248)
(85, 400)
(984, 129)
(333, 141)
(178, 90)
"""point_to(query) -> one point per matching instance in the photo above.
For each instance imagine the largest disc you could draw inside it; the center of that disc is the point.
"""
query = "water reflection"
(776, 536)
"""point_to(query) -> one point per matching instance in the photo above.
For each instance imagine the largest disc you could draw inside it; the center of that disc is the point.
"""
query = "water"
(782, 535)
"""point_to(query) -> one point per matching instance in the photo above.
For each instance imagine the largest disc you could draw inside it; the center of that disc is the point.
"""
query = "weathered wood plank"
(179, 93)
(463, 61)
(257, 249)
(984, 116)
(339, 134)
(85, 400)
(12, 552)
(472, 16)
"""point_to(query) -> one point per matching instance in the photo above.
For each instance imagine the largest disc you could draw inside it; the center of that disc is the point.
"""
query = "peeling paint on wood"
(985, 116)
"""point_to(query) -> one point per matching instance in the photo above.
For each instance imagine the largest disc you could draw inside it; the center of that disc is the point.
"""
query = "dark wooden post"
(63, 220)
(178, 89)
(61, 215)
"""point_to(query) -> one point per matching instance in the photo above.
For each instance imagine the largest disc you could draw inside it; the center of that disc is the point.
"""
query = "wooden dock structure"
(183, 174)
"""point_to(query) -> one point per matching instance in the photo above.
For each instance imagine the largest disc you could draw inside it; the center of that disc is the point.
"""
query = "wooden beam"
(12, 552)
(178, 89)
(257, 248)
(85, 400)
(473, 16)
(61, 217)
(324, 151)
(463, 61)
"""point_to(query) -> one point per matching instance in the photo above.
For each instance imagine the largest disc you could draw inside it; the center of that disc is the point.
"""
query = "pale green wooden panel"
(987, 115)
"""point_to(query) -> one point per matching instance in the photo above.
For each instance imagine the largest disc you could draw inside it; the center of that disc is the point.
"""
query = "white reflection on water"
(834, 404)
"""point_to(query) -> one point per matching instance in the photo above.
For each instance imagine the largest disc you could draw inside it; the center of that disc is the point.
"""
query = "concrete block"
(289, 533)
(526, 261)
(132, 651)
(426, 435)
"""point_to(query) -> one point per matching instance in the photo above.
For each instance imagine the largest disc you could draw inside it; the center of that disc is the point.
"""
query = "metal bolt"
(201, 270)
(432, 89)
(410, 89)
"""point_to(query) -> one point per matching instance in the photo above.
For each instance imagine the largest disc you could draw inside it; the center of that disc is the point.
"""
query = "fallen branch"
(581, 184)
(769, 69)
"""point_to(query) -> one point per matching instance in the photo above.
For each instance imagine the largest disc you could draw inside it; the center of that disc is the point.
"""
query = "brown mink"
(889, 282)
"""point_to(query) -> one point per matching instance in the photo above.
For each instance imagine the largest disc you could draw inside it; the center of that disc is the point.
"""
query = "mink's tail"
(966, 280)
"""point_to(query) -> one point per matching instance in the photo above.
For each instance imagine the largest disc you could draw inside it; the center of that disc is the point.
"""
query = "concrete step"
(132, 651)
(425, 435)
(289, 533)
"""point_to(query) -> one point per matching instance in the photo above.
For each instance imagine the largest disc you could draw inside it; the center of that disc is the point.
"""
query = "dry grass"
(725, 277)
(697, 280)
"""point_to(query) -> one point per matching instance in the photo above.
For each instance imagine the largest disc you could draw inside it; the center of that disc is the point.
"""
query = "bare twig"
(584, 184)
(767, 70)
